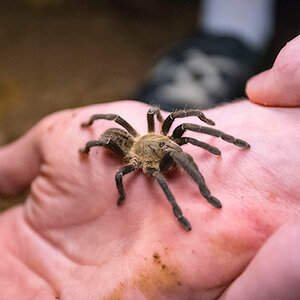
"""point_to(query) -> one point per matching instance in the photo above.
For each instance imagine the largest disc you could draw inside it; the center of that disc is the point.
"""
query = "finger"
(275, 271)
(19, 163)
(279, 86)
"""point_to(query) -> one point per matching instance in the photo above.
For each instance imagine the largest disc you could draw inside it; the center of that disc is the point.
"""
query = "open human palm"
(70, 240)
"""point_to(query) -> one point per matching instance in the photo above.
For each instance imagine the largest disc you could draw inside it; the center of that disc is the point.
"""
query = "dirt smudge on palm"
(158, 278)
(117, 293)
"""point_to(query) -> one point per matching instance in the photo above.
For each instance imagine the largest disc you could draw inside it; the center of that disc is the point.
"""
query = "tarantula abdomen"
(121, 138)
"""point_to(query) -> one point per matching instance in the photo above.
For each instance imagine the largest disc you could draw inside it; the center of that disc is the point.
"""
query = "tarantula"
(155, 153)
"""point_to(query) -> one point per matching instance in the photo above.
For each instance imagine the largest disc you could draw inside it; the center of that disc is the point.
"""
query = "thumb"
(19, 163)
(275, 271)
(279, 86)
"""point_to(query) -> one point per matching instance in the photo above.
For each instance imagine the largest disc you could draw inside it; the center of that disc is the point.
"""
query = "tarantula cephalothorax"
(154, 153)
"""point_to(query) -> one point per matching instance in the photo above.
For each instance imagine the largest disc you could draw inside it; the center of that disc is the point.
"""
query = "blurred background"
(57, 54)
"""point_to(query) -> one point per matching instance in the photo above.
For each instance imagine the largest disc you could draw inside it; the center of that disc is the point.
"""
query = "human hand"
(274, 272)
(71, 240)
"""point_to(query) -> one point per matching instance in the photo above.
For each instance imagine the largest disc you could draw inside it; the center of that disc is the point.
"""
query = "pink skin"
(275, 271)
(71, 240)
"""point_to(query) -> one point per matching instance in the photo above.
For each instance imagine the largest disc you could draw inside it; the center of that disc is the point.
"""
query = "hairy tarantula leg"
(176, 209)
(106, 143)
(209, 148)
(187, 163)
(182, 114)
(150, 117)
(111, 117)
(179, 131)
(119, 175)
(165, 162)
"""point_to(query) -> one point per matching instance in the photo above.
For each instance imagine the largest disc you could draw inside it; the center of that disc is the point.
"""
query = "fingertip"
(20, 163)
(279, 86)
(255, 88)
